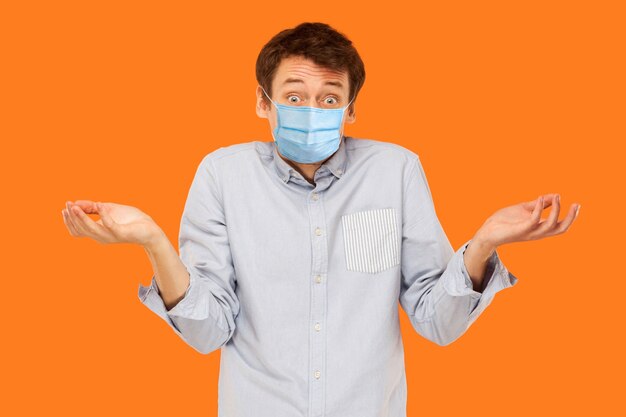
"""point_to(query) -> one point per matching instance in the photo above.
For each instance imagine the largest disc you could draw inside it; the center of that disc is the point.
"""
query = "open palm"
(118, 223)
(523, 221)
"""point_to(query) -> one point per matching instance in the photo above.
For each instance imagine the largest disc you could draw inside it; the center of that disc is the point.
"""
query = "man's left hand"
(523, 221)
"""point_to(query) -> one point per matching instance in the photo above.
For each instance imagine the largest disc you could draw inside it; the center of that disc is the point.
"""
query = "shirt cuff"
(150, 296)
(497, 277)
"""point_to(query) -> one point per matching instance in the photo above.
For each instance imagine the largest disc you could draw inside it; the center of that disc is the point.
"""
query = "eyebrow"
(298, 80)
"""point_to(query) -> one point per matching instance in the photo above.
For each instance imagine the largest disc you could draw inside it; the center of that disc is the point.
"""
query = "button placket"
(319, 258)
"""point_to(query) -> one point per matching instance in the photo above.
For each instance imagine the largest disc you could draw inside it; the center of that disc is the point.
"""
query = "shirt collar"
(336, 164)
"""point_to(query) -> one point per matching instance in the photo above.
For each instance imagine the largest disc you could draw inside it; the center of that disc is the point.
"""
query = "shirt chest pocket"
(371, 240)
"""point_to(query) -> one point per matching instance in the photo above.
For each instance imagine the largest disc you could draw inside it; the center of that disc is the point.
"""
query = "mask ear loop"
(268, 96)
(277, 115)
(344, 113)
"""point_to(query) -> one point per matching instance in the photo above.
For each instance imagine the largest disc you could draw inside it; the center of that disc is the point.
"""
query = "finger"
(537, 209)
(68, 224)
(553, 217)
(563, 225)
(547, 201)
(73, 220)
(88, 206)
(92, 229)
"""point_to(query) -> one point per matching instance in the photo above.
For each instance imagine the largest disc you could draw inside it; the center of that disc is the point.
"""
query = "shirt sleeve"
(436, 290)
(205, 317)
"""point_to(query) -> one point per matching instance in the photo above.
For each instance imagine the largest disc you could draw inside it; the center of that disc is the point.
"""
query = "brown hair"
(316, 41)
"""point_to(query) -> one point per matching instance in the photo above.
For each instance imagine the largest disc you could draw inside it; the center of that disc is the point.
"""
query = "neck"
(306, 170)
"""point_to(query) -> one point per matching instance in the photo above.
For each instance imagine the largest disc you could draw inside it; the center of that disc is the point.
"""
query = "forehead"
(300, 68)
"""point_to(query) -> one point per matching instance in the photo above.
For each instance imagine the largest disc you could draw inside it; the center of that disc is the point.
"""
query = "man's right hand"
(117, 224)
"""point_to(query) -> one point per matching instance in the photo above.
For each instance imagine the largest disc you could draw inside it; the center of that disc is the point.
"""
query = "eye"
(290, 97)
(331, 100)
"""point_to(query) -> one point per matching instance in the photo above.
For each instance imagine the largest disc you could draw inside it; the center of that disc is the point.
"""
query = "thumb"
(530, 205)
(103, 211)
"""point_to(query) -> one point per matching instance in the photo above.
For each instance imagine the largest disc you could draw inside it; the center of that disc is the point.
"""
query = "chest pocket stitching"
(371, 240)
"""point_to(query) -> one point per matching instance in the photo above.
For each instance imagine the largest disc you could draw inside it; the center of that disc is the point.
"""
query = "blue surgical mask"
(307, 134)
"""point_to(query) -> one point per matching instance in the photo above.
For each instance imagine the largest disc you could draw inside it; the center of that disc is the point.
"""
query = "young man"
(294, 253)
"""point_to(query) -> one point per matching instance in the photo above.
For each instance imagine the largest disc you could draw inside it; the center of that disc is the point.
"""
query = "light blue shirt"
(298, 284)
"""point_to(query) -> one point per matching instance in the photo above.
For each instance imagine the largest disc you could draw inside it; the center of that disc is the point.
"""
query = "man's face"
(300, 82)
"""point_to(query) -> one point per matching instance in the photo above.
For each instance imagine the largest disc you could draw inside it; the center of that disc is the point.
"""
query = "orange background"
(119, 101)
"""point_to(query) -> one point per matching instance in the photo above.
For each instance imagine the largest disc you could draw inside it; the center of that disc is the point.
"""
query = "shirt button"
(317, 327)
(340, 171)
(318, 278)
(318, 231)
(317, 374)
(315, 196)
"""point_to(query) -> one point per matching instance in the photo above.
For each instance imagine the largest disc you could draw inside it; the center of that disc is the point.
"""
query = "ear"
(351, 114)
(262, 109)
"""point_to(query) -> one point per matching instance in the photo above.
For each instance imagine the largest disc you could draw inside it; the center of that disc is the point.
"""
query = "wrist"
(483, 245)
(157, 242)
